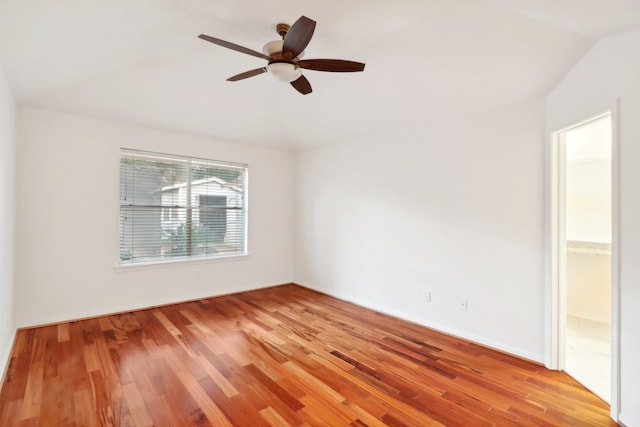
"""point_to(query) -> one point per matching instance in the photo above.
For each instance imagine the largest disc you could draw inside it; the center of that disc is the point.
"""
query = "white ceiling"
(140, 61)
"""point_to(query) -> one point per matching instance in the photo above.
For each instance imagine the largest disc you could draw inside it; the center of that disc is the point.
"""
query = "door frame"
(556, 301)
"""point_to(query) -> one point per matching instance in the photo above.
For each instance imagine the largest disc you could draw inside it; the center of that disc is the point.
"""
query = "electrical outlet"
(463, 305)
(197, 275)
(427, 296)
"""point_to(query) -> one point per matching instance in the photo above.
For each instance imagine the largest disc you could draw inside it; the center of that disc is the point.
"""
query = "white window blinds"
(175, 208)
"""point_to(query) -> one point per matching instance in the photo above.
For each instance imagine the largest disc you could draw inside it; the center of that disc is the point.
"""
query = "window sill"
(178, 263)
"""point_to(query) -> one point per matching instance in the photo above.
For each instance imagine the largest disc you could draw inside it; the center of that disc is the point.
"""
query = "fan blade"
(247, 74)
(332, 65)
(302, 85)
(233, 46)
(298, 37)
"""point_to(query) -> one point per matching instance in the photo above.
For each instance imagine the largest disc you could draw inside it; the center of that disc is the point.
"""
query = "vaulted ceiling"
(141, 62)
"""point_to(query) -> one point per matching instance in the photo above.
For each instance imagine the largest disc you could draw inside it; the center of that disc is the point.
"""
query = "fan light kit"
(285, 56)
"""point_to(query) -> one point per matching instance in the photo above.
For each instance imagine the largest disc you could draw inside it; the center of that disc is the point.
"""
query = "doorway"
(583, 252)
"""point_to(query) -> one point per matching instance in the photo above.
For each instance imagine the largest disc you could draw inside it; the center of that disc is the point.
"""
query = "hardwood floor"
(280, 356)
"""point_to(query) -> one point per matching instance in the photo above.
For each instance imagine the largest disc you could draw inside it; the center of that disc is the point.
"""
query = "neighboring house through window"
(213, 214)
(175, 208)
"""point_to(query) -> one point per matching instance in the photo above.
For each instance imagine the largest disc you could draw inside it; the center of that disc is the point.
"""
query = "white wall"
(588, 201)
(588, 230)
(611, 70)
(455, 208)
(68, 209)
(589, 285)
(7, 220)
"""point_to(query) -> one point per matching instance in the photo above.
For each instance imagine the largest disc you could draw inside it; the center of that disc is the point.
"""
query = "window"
(176, 208)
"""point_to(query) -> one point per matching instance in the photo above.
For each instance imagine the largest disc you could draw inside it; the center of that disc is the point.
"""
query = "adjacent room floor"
(589, 354)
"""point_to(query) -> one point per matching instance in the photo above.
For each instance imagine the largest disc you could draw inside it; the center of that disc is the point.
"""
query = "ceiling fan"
(285, 56)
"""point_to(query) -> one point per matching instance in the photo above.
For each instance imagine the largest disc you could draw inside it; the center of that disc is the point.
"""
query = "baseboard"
(5, 359)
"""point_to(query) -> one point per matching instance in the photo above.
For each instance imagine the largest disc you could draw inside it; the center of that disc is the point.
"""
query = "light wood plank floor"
(284, 356)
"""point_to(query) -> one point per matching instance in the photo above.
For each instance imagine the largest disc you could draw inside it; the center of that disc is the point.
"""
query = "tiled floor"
(588, 354)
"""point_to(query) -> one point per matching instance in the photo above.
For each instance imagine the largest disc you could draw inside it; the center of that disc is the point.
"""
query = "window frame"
(190, 209)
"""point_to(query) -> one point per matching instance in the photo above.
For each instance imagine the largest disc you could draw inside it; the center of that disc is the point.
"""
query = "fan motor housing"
(273, 50)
